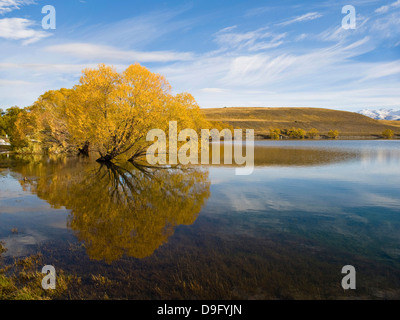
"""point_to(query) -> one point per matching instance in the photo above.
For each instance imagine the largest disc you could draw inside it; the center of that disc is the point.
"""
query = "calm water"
(285, 232)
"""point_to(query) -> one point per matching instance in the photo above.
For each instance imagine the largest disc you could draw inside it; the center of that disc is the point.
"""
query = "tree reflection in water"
(119, 210)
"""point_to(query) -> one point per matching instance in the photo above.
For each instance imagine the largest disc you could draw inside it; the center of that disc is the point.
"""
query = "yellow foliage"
(313, 133)
(275, 134)
(296, 133)
(119, 210)
(115, 111)
(388, 134)
(110, 111)
(333, 134)
(44, 124)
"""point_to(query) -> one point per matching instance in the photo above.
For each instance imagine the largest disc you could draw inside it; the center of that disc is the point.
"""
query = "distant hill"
(393, 123)
(349, 124)
(381, 114)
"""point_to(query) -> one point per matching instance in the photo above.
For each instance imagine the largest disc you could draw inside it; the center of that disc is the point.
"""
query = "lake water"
(284, 232)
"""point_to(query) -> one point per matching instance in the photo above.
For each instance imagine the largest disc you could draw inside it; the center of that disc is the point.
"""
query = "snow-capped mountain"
(381, 114)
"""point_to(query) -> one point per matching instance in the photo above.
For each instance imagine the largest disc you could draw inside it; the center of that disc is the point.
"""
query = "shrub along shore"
(304, 123)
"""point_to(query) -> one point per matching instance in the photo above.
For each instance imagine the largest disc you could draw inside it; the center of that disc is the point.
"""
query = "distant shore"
(350, 125)
(354, 138)
(4, 148)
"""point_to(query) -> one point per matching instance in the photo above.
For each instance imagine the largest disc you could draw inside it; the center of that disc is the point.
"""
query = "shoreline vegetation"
(21, 280)
(110, 113)
(304, 123)
(233, 118)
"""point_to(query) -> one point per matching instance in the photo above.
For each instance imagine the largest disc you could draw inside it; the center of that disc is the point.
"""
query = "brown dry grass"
(264, 119)
(390, 123)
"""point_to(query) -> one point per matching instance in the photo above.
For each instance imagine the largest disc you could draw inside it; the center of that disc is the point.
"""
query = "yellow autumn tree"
(107, 112)
(333, 134)
(275, 133)
(296, 133)
(118, 210)
(313, 133)
(115, 111)
(43, 126)
(388, 134)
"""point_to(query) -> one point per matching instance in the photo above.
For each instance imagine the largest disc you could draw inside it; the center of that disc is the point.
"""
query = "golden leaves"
(120, 210)
(110, 111)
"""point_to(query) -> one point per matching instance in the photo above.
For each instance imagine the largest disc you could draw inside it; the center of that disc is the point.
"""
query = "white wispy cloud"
(103, 53)
(289, 68)
(137, 31)
(305, 17)
(386, 8)
(338, 33)
(382, 69)
(257, 11)
(7, 82)
(321, 77)
(214, 90)
(387, 26)
(256, 40)
(263, 66)
(333, 34)
(301, 37)
(382, 9)
(21, 29)
(54, 68)
(7, 6)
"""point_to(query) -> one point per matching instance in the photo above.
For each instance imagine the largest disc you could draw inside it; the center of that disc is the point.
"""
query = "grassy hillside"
(349, 124)
(391, 123)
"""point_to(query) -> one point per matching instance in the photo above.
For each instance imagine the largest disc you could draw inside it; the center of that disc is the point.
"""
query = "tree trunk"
(106, 158)
(137, 155)
(84, 151)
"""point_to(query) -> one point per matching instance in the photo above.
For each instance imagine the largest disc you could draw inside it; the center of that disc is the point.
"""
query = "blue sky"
(225, 52)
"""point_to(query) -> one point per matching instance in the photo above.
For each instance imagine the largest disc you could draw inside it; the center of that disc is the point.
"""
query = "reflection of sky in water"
(357, 198)
(34, 218)
(309, 188)
(372, 179)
